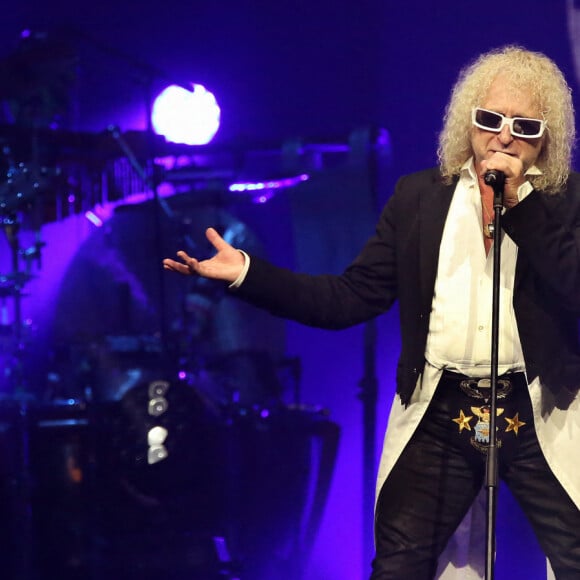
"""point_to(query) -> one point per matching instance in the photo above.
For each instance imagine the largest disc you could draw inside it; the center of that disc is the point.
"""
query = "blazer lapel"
(434, 202)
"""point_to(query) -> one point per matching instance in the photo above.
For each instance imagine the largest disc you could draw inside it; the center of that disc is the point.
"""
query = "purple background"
(315, 71)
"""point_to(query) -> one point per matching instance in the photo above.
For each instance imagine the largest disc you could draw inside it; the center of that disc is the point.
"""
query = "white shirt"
(459, 336)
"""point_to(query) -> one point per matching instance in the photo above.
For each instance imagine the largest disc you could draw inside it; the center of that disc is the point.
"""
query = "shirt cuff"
(238, 281)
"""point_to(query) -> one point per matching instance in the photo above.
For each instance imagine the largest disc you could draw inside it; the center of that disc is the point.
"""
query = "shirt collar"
(468, 170)
(468, 173)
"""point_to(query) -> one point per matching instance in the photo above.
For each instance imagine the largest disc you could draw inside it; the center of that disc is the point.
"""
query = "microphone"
(494, 178)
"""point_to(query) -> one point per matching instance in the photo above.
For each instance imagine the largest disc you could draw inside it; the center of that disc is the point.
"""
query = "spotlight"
(191, 117)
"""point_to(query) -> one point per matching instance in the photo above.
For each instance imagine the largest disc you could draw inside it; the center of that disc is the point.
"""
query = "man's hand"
(226, 265)
(513, 169)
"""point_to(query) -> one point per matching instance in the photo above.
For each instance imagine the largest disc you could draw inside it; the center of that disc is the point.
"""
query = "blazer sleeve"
(546, 229)
(364, 290)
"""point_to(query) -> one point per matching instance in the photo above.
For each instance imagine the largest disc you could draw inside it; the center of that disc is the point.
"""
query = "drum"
(258, 479)
(159, 483)
(279, 469)
(149, 485)
(45, 460)
(60, 464)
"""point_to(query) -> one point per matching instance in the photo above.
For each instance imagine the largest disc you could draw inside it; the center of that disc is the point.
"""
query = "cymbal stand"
(20, 190)
(12, 286)
(150, 180)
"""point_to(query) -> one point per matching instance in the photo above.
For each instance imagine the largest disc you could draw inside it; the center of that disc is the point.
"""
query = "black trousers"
(442, 469)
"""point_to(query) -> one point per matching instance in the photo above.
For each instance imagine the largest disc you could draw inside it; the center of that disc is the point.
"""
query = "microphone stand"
(496, 181)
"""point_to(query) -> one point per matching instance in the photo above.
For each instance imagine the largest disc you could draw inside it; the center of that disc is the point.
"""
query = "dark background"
(314, 71)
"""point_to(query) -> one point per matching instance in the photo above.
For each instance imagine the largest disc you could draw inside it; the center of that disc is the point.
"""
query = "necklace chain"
(489, 216)
(487, 227)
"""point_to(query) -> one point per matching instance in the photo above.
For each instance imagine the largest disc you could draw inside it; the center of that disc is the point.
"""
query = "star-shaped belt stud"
(514, 424)
(463, 421)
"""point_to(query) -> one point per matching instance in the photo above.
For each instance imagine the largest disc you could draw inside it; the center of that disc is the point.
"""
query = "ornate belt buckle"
(480, 388)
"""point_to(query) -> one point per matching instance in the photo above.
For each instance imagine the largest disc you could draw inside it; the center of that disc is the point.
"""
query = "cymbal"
(22, 183)
(12, 284)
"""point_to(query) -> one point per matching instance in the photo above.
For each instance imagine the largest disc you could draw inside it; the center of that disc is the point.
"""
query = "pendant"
(488, 230)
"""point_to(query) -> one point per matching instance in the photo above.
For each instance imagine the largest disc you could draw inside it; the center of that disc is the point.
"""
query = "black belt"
(463, 404)
(480, 388)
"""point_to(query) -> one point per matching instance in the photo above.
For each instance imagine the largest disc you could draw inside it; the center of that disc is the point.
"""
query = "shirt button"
(480, 327)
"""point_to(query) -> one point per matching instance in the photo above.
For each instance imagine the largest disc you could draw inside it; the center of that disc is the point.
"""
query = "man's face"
(510, 103)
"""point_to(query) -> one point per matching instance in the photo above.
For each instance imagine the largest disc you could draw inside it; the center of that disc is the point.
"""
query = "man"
(510, 111)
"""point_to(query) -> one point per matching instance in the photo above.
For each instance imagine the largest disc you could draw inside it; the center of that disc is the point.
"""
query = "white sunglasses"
(519, 126)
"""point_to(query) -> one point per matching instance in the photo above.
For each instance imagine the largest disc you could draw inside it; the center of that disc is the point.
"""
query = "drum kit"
(152, 427)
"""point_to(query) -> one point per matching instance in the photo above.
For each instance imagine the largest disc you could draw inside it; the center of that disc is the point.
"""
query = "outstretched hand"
(226, 264)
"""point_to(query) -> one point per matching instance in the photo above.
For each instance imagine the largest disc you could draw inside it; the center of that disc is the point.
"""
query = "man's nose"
(505, 135)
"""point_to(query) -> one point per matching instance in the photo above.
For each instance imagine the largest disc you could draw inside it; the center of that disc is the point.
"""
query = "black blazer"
(400, 262)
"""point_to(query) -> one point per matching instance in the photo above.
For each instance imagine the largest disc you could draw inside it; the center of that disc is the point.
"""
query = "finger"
(191, 263)
(216, 240)
(184, 256)
(188, 265)
(174, 266)
(508, 164)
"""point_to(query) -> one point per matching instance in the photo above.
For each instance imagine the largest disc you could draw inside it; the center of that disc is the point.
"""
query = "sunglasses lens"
(488, 119)
(527, 127)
